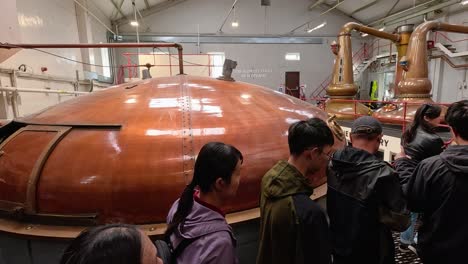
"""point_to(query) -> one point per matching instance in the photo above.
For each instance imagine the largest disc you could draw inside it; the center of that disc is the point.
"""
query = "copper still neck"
(415, 82)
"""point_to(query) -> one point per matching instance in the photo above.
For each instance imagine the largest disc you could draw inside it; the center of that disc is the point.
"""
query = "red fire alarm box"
(430, 44)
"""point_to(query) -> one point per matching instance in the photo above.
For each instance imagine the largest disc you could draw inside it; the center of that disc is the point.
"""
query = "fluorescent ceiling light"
(317, 27)
(235, 24)
(293, 56)
(382, 29)
(464, 2)
(134, 23)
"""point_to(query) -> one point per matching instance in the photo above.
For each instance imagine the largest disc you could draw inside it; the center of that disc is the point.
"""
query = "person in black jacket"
(419, 142)
(439, 189)
(364, 199)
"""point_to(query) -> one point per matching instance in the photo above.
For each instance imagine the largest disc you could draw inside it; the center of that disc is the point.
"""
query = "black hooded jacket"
(424, 145)
(439, 190)
(364, 202)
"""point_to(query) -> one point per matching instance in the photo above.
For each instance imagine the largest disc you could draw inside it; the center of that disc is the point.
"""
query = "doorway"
(292, 84)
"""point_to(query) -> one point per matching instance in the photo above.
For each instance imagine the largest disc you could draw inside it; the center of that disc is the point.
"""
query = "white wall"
(265, 61)
(47, 21)
(449, 84)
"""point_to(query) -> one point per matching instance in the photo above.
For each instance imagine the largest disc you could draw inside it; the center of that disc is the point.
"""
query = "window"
(217, 61)
(106, 71)
(294, 56)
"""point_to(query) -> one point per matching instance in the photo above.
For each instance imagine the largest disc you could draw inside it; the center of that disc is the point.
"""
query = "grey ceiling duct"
(265, 2)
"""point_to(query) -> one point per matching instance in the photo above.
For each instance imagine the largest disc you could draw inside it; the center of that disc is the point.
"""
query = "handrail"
(446, 37)
(360, 55)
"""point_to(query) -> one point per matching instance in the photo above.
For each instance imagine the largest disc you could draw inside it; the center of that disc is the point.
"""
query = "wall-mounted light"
(293, 56)
(235, 22)
(317, 27)
(134, 23)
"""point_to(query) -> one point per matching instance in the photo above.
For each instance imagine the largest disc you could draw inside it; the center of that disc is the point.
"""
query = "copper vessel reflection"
(126, 153)
(415, 86)
(342, 84)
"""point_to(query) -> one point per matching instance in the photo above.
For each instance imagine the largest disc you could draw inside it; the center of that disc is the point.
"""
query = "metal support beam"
(364, 7)
(152, 10)
(147, 4)
(118, 8)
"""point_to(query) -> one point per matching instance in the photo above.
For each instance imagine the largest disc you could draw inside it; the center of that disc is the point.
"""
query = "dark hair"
(426, 110)
(215, 160)
(108, 244)
(457, 118)
(305, 134)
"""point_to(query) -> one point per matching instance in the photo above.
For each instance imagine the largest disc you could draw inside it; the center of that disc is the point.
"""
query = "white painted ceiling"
(374, 9)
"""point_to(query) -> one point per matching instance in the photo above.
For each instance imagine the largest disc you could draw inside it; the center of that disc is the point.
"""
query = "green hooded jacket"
(293, 228)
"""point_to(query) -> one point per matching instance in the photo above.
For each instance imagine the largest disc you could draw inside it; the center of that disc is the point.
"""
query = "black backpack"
(166, 251)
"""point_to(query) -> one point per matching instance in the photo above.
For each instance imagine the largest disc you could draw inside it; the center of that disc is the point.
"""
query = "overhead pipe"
(423, 12)
(101, 45)
(314, 5)
(379, 21)
(95, 17)
(364, 7)
(220, 30)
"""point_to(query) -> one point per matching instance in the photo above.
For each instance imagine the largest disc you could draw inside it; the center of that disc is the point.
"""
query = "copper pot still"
(125, 154)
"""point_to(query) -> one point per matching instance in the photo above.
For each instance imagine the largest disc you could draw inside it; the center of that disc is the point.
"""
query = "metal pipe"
(220, 30)
(420, 13)
(447, 60)
(401, 12)
(364, 7)
(312, 6)
(95, 17)
(101, 45)
(415, 82)
(14, 95)
(33, 90)
(333, 7)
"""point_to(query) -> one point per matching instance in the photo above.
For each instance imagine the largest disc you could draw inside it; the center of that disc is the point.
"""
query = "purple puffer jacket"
(215, 243)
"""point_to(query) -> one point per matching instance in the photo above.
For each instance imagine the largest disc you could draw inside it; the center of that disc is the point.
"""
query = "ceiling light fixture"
(317, 27)
(134, 23)
(464, 2)
(364, 35)
(235, 24)
(382, 29)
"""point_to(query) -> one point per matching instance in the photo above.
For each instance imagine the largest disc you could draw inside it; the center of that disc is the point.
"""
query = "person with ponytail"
(418, 142)
(195, 221)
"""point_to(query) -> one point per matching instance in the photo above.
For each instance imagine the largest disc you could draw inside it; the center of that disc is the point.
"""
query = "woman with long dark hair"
(419, 142)
(111, 244)
(195, 221)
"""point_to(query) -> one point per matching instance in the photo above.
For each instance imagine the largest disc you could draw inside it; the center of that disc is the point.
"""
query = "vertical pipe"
(170, 61)
(14, 94)
(181, 60)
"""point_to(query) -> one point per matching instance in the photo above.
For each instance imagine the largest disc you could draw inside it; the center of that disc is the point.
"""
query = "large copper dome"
(126, 153)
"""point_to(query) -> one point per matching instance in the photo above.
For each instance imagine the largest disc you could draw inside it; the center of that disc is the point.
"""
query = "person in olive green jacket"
(293, 228)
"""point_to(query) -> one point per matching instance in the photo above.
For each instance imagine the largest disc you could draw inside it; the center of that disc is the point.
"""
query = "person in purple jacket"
(195, 221)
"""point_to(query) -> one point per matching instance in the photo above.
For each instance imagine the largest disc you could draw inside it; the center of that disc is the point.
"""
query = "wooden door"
(292, 84)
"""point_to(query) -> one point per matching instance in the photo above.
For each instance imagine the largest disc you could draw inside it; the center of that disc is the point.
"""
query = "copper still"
(342, 84)
(415, 87)
(126, 153)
